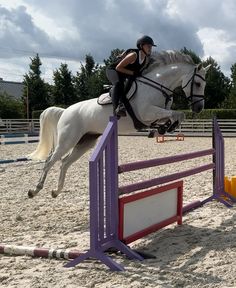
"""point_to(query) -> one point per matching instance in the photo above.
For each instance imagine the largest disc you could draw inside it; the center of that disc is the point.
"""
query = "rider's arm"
(129, 59)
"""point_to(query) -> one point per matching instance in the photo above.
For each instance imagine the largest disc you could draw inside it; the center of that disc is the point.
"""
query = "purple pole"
(218, 173)
(103, 186)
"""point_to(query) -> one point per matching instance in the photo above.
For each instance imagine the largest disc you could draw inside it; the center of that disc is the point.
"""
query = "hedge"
(210, 113)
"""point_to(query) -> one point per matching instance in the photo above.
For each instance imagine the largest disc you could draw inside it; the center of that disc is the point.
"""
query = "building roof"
(14, 89)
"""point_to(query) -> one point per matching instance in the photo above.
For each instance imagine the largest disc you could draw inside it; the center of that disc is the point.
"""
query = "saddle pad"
(105, 98)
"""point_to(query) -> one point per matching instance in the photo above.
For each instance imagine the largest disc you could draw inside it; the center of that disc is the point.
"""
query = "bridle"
(190, 97)
(165, 89)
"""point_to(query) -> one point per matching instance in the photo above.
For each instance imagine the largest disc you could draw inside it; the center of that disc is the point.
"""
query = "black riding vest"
(136, 66)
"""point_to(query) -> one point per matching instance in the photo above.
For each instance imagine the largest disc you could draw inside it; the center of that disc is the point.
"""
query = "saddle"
(105, 98)
(129, 92)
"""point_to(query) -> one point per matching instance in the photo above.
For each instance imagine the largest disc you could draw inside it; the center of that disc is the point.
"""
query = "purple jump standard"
(104, 190)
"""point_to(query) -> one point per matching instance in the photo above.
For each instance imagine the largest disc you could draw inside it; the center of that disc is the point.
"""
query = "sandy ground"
(199, 253)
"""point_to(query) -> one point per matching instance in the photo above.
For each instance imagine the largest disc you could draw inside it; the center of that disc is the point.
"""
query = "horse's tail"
(48, 133)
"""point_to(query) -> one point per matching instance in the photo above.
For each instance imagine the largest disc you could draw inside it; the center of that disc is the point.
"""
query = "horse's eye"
(198, 84)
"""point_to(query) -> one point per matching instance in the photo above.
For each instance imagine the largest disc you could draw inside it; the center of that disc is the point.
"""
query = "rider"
(129, 67)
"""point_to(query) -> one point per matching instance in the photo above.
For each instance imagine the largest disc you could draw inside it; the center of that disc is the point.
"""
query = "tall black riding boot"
(118, 108)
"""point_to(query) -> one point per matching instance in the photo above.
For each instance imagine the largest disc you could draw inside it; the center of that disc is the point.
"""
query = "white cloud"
(218, 45)
(53, 64)
(67, 30)
(12, 3)
(13, 69)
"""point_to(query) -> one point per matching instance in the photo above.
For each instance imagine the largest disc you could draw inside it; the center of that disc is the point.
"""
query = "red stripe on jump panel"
(148, 211)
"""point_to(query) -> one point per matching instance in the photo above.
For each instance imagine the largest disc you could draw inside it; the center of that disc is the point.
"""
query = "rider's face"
(147, 49)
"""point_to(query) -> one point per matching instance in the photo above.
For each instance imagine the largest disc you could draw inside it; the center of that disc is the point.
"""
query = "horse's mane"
(167, 57)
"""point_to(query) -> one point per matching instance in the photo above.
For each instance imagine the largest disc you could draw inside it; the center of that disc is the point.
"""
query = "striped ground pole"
(14, 250)
(14, 160)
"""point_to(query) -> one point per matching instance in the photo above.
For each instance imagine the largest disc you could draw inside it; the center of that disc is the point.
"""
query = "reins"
(168, 97)
(159, 87)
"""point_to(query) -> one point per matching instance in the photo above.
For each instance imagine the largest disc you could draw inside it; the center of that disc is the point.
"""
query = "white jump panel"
(148, 211)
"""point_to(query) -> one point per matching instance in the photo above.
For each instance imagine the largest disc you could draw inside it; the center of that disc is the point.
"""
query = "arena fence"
(190, 127)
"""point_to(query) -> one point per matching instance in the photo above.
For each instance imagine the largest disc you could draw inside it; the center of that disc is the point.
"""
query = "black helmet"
(145, 40)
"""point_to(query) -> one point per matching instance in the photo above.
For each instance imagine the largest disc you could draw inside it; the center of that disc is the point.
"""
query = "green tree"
(63, 91)
(194, 56)
(232, 96)
(115, 54)
(95, 83)
(89, 81)
(81, 78)
(217, 86)
(11, 108)
(35, 92)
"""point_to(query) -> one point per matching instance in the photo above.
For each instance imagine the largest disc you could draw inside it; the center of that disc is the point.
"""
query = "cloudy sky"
(64, 31)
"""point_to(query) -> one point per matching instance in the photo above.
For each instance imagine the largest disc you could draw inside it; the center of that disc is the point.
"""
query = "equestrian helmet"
(145, 40)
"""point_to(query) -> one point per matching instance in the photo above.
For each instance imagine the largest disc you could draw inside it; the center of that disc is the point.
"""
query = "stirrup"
(120, 111)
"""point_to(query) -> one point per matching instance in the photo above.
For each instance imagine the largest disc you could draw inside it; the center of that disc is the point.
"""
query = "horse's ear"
(199, 66)
(207, 68)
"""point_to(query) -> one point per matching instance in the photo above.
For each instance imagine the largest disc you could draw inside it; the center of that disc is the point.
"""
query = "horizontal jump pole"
(164, 179)
(39, 252)
(14, 160)
(18, 142)
(162, 161)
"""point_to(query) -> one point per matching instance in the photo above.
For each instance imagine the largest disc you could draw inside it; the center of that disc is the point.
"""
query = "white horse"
(66, 134)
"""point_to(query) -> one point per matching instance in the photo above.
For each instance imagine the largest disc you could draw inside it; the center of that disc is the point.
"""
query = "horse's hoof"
(151, 134)
(30, 193)
(161, 130)
(54, 194)
(172, 128)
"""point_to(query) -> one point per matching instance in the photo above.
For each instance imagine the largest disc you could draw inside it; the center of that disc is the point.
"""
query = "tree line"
(88, 82)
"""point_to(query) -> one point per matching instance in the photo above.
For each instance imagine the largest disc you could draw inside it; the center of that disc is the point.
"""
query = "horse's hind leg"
(87, 141)
(52, 158)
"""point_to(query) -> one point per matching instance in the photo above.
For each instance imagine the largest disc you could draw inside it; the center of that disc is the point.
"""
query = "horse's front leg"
(168, 120)
(177, 116)
(151, 114)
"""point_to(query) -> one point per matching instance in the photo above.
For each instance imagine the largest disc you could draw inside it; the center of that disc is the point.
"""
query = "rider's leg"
(128, 84)
(117, 91)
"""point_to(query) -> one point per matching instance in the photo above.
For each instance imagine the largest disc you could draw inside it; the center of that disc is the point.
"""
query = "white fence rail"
(19, 126)
(190, 127)
(203, 127)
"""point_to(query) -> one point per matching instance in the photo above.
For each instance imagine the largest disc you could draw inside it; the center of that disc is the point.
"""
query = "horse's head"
(193, 85)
